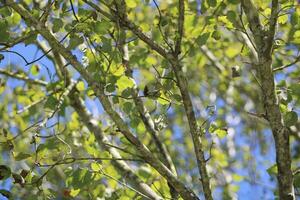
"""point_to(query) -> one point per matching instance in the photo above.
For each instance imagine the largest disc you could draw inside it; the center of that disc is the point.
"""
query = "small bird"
(152, 90)
(235, 71)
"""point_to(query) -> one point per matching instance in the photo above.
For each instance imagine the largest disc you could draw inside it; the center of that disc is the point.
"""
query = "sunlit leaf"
(5, 172)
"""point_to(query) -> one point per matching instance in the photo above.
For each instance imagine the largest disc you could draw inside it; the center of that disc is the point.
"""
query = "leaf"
(212, 3)
(202, 39)
(30, 39)
(151, 60)
(231, 16)
(80, 86)
(177, 97)
(96, 166)
(101, 27)
(163, 99)
(34, 70)
(16, 18)
(75, 41)
(131, 3)
(57, 25)
(234, 1)
(74, 192)
(282, 19)
(216, 35)
(127, 107)
(4, 35)
(22, 156)
(5, 172)
(81, 177)
(221, 133)
(119, 71)
(297, 181)
(272, 170)
(290, 118)
(51, 103)
(294, 18)
(125, 82)
(237, 178)
(5, 11)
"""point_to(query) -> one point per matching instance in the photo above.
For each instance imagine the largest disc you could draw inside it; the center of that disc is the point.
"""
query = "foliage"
(114, 100)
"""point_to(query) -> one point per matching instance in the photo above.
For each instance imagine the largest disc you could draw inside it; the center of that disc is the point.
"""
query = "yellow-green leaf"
(80, 86)
(74, 192)
(125, 82)
(34, 70)
(96, 166)
(131, 3)
(221, 133)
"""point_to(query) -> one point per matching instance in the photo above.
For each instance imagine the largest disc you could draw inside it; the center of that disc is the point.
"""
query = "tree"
(128, 99)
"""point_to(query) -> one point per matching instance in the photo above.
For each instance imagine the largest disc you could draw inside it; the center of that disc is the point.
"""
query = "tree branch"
(143, 112)
(182, 84)
(98, 88)
(180, 33)
(264, 43)
(23, 78)
(91, 123)
(132, 27)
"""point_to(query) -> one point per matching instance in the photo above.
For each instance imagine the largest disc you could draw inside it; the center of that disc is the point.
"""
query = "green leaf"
(231, 16)
(30, 39)
(34, 70)
(102, 27)
(22, 156)
(75, 41)
(80, 178)
(51, 103)
(212, 3)
(294, 18)
(110, 88)
(177, 97)
(96, 166)
(163, 99)
(4, 34)
(290, 118)
(127, 107)
(233, 1)
(74, 192)
(272, 170)
(237, 177)
(151, 60)
(5, 11)
(57, 25)
(216, 35)
(5, 172)
(80, 86)
(131, 3)
(202, 39)
(164, 21)
(221, 133)
(297, 181)
(125, 82)
(282, 19)
(15, 18)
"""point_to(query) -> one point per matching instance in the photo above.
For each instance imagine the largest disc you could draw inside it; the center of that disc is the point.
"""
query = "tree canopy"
(149, 99)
